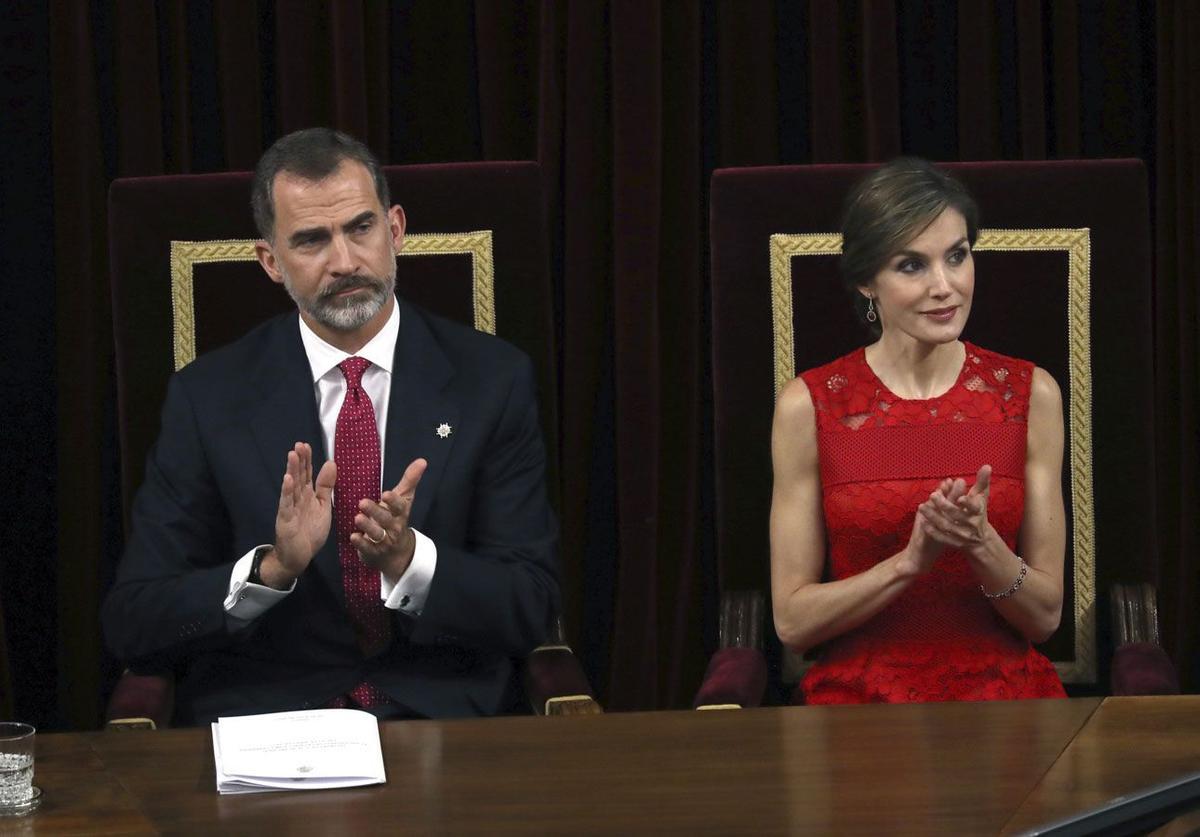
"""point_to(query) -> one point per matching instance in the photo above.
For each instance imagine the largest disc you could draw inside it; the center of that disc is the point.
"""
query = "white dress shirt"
(247, 601)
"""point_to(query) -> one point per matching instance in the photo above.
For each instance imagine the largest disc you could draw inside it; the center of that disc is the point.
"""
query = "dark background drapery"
(628, 105)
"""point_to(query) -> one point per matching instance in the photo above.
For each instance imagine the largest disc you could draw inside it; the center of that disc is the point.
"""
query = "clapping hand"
(305, 511)
(956, 517)
(384, 539)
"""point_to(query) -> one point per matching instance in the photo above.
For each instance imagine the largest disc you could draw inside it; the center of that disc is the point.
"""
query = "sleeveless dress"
(880, 457)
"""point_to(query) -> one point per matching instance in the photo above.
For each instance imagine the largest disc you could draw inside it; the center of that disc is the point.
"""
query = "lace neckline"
(968, 349)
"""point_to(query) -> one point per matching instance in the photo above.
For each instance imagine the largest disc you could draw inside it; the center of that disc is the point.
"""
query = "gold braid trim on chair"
(783, 247)
(1076, 244)
(572, 705)
(478, 245)
(125, 724)
(185, 255)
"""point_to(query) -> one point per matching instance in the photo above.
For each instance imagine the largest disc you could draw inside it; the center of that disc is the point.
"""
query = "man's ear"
(266, 258)
(396, 225)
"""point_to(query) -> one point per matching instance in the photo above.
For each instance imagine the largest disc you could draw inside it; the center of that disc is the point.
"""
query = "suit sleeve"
(501, 591)
(167, 598)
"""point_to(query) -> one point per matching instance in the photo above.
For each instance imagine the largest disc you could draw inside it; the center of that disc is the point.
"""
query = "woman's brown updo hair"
(889, 208)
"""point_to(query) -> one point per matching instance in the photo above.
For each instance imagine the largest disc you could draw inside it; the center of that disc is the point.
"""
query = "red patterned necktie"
(356, 452)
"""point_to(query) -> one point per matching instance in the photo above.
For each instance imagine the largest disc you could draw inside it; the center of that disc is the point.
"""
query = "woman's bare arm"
(1035, 607)
(807, 611)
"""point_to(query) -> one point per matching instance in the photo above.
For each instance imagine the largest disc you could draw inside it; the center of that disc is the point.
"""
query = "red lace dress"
(881, 456)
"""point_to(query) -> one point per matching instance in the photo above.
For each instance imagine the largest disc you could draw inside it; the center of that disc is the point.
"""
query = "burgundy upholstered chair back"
(184, 279)
(1063, 278)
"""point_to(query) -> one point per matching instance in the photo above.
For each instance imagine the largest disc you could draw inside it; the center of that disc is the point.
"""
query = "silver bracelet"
(1016, 585)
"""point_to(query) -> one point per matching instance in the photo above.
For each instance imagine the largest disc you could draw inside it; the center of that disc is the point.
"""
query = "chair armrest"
(737, 673)
(554, 682)
(1143, 668)
(1135, 613)
(556, 685)
(141, 701)
(1139, 665)
(735, 678)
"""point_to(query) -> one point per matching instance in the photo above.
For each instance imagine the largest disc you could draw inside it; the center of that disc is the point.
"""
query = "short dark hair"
(313, 154)
(889, 208)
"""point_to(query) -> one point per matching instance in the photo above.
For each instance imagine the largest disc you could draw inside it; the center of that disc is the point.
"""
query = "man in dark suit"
(345, 507)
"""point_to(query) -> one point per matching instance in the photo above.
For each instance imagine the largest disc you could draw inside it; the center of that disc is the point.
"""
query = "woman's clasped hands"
(954, 517)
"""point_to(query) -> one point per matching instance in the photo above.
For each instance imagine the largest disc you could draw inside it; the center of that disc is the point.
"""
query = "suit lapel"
(417, 408)
(287, 414)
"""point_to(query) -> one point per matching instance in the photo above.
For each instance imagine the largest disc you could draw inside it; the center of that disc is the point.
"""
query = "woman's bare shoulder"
(1044, 391)
(794, 405)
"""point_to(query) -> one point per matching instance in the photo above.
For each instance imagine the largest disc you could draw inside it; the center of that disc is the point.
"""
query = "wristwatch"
(255, 576)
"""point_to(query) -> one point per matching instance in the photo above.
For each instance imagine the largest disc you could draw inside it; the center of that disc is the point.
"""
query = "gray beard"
(346, 314)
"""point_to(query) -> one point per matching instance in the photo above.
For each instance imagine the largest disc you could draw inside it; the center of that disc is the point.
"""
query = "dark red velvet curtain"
(1177, 348)
(628, 105)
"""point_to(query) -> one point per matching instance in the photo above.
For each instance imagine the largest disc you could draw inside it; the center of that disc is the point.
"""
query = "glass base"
(28, 806)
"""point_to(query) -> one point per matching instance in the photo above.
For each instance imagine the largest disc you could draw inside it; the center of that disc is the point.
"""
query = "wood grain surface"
(918, 769)
(1129, 744)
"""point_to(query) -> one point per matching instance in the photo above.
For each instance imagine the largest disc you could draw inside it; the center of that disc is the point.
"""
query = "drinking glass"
(17, 793)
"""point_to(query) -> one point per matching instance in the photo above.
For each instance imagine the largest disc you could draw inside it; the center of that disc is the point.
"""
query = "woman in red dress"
(930, 467)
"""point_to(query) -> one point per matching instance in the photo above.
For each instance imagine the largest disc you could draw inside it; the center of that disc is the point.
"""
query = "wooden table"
(920, 769)
(1127, 745)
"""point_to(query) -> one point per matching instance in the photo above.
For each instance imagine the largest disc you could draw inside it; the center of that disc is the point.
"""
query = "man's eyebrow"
(366, 215)
(307, 235)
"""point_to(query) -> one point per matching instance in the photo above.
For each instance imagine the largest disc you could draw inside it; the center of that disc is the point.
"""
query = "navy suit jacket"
(211, 492)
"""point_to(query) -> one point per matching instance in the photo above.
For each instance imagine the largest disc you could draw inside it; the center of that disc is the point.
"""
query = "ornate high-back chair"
(185, 280)
(1063, 278)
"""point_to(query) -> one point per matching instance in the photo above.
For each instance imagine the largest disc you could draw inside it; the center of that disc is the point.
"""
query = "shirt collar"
(380, 349)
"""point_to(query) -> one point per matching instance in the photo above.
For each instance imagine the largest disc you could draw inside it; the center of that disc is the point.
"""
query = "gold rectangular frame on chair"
(1076, 243)
(185, 255)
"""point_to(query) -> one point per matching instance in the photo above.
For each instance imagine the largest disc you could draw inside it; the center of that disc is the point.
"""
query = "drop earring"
(871, 315)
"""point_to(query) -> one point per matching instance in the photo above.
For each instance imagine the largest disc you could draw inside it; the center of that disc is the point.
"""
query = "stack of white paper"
(319, 748)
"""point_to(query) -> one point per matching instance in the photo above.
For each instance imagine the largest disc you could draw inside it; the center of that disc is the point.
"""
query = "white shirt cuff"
(247, 601)
(409, 592)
